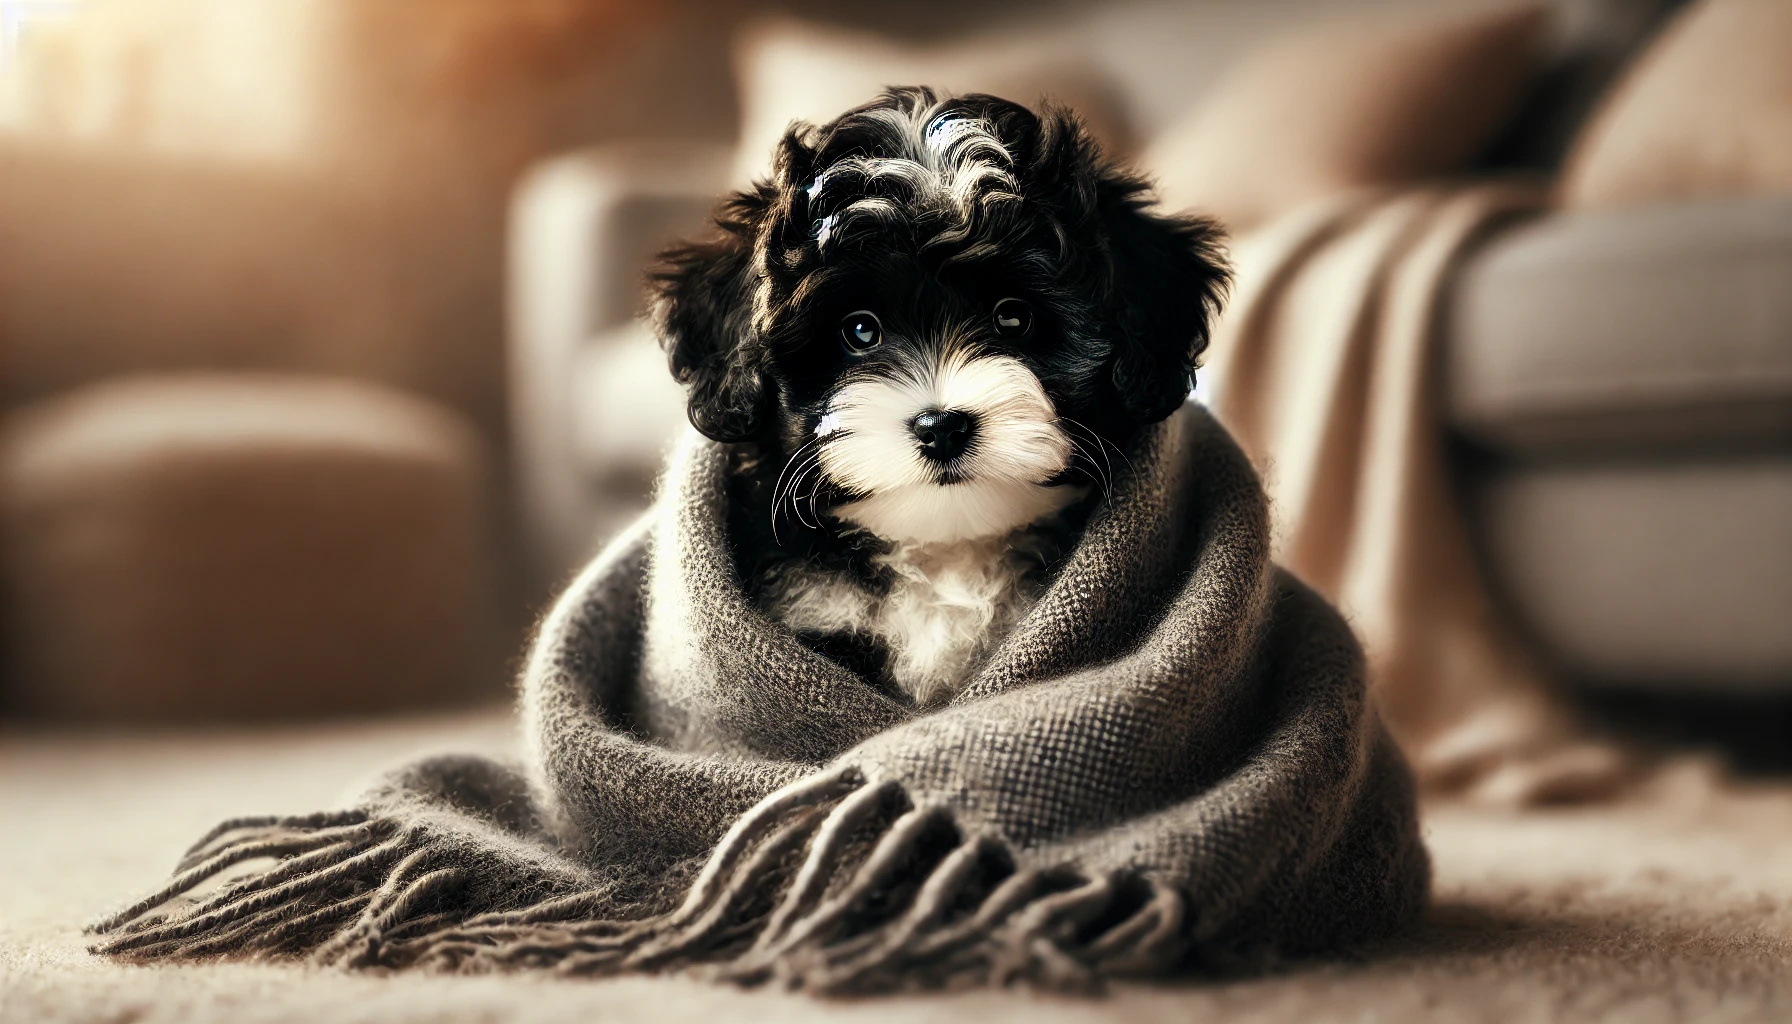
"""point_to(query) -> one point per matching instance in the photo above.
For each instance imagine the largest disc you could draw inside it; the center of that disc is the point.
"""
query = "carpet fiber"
(1675, 905)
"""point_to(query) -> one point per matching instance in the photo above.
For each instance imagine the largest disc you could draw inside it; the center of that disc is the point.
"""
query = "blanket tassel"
(835, 884)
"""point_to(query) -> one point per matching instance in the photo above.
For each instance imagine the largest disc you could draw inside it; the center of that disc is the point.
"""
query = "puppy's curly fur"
(918, 214)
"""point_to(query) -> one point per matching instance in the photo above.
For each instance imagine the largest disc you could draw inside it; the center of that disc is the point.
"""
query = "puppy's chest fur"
(921, 618)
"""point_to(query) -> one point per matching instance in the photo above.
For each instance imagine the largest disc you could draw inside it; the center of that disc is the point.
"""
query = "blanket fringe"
(835, 884)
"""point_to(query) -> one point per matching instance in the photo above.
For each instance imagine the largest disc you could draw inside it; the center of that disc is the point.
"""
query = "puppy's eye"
(860, 332)
(1013, 318)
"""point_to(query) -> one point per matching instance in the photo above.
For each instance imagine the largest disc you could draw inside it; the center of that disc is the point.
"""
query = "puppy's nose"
(943, 433)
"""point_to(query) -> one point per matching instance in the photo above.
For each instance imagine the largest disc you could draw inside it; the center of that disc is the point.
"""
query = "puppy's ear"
(1162, 277)
(1168, 279)
(702, 296)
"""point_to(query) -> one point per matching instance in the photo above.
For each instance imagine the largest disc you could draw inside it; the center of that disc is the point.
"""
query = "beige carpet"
(1672, 907)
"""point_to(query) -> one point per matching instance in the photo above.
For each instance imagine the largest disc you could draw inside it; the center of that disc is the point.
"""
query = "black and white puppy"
(927, 337)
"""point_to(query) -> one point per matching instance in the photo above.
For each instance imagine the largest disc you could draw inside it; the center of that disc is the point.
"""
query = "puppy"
(928, 338)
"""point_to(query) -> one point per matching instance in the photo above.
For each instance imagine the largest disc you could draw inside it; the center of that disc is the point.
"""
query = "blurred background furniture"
(1624, 379)
(313, 188)
(239, 546)
(1618, 385)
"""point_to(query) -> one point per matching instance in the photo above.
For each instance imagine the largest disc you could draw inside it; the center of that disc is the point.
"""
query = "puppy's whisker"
(788, 491)
(1101, 447)
(784, 491)
(796, 502)
(792, 495)
(798, 495)
(1092, 470)
(809, 449)
(1093, 478)
(793, 499)
(1103, 442)
(1078, 447)
(1077, 429)
(1117, 450)
(795, 458)
(814, 495)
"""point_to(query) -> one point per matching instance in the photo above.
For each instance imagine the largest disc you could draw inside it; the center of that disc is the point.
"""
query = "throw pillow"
(1705, 112)
(1337, 107)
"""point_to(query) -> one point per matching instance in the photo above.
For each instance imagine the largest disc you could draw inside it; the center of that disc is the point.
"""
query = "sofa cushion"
(1668, 573)
(1627, 331)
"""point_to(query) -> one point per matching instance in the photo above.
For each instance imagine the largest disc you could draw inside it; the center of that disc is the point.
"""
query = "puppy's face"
(937, 314)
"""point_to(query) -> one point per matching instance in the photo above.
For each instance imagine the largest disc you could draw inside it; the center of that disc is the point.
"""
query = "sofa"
(1622, 383)
(1617, 385)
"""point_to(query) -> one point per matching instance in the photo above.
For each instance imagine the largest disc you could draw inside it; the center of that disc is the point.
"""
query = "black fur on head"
(930, 208)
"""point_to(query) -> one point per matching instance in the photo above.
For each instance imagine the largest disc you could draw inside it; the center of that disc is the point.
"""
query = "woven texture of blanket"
(1671, 905)
(1170, 763)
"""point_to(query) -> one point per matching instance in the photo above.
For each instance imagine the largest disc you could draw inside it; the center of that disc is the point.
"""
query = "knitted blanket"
(1169, 763)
